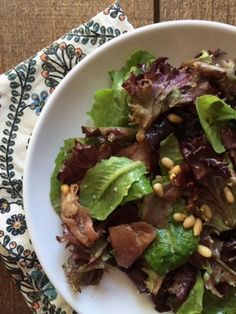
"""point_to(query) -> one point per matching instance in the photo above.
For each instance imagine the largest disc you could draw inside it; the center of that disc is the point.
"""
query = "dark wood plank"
(11, 301)
(28, 26)
(215, 10)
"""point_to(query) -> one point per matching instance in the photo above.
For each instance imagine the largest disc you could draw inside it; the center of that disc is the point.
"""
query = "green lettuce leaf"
(171, 248)
(205, 57)
(169, 147)
(137, 58)
(138, 189)
(193, 304)
(110, 105)
(107, 183)
(55, 192)
(213, 114)
(215, 305)
(110, 108)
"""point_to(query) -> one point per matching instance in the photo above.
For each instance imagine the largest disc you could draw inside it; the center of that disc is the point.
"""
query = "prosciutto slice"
(138, 151)
(129, 241)
(77, 218)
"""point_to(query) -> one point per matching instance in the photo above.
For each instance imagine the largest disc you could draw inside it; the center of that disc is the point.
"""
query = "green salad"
(151, 188)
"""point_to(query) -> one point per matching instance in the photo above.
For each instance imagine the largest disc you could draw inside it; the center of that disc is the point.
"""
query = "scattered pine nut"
(172, 176)
(175, 170)
(158, 189)
(228, 195)
(197, 227)
(174, 118)
(233, 180)
(189, 222)
(140, 136)
(65, 189)
(206, 211)
(204, 251)
(179, 217)
(167, 162)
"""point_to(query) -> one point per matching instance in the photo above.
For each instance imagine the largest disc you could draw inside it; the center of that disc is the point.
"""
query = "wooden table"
(28, 26)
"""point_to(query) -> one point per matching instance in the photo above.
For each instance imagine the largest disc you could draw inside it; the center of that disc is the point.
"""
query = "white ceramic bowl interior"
(62, 118)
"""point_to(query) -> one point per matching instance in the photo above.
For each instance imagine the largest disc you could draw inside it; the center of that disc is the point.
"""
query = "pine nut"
(228, 195)
(176, 169)
(174, 118)
(206, 211)
(172, 176)
(233, 180)
(189, 222)
(197, 228)
(140, 136)
(179, 217)
(167, 162)
(204, 251)
(158, 189)
(65, 189)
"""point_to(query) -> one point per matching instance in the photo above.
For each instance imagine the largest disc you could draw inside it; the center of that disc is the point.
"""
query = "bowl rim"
(59, 90)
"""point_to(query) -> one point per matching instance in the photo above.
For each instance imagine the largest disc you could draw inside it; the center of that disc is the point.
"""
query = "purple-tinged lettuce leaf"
(193, 303)
(82, 157)
(220, 269)
(138, 277)
(213, 114)
(202, 159)
(228, 136)
(175, 288)
(219, 70)
(111, 134)
(134, 64)
(161, 88)
(86, 266)
(157, 132)
(211, 192)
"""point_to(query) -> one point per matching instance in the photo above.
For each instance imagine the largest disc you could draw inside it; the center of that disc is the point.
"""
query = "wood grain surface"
(27, 26)
(215, 10)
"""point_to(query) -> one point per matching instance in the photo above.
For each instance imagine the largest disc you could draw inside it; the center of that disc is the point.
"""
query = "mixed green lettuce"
(138, 190)
(132, 66)
(107, 184)
(171, 248)
(213, 114)
(110, 105)
(113, 170)
(109, 108)
(55, 192)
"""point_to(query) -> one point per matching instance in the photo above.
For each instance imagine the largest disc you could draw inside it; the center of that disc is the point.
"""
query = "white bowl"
(62, 118)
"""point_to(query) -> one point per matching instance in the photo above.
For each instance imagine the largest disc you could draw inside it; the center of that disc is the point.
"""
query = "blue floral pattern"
(25, 90)
(38, 101)
(16, 224)
(4, 206)
(58, 59)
